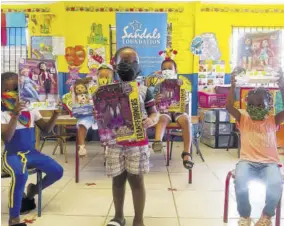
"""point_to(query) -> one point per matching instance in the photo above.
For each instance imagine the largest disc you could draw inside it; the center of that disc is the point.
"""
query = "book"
(118, 113)
(82, 104)
(38, 84)
(175, 95)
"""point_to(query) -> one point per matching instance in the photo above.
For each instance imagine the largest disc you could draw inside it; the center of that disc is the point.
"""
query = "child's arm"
(153, 114)
(47, 126)
(231, 98)
(8, 130)
(279, 118)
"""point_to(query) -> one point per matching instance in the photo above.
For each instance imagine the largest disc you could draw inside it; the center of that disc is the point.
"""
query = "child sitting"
(169, 70)
(20, 154)
(105, 76)
(130, 161)
(259, 156)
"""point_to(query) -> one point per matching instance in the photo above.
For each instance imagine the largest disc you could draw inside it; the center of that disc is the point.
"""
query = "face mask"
(257, 113)
(128, 71)
(8, 100)
(169, 74)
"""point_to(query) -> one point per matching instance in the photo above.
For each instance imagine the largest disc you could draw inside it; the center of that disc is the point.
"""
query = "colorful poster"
(206, 47)
(38, 84)
(211, 73)
(147, 33)
(96, 56)
(118, 113)
(41, 24)
(260, 51)
(58, 44)
(41, 47)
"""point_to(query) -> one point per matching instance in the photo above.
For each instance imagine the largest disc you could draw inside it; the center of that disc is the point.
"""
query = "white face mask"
(169, 74)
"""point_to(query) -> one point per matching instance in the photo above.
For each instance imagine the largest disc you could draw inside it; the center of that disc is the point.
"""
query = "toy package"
(118, 113)
(38, 84)
(278, 102)
(82, 104)
(175, 95)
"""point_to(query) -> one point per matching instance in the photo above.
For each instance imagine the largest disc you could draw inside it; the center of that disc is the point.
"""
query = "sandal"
(187, 163)
(157, 146)
(115, 222)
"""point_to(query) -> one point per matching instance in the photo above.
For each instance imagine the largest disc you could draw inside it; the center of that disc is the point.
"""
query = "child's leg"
(115, 166)
(273, 179)
(137, 164)
(12, 164)
(83, 126)
(245, 171)
(183, 121)
(53, 171)
(160, 128)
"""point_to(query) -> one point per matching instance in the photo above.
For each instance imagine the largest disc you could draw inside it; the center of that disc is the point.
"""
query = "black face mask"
(128, 71)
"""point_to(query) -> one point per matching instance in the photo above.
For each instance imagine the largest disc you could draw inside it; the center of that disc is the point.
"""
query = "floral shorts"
(133, 159)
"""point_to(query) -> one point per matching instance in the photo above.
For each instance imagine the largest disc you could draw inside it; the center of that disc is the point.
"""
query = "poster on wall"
(38, 84)
(41, 47)
(41, 24)
(260, 51)
(211, 73)
(147, 33)
(96, 56)
(206, 47)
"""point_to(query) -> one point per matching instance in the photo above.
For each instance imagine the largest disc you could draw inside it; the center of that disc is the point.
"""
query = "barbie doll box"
(82, 104)
(38, 84)
(118, 113)
(175, 95)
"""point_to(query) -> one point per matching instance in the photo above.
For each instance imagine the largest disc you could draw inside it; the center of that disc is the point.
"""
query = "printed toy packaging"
(81, 98)
(38, 84)
(175, 95)
(118, 113)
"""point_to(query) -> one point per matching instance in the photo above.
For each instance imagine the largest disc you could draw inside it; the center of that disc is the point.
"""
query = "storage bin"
(211, 141)
(209, 100)
(210, 116)
(210, 129)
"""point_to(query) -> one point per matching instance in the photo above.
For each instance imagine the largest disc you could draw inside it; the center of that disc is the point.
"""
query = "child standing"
(130, 161)
(105, 73)
(20, 154)
(259, 156)
(169, 71)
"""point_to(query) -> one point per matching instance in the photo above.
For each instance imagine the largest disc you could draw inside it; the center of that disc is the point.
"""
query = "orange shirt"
(258, 140)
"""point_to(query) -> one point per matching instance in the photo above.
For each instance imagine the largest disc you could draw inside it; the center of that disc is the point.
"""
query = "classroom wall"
(73, 20)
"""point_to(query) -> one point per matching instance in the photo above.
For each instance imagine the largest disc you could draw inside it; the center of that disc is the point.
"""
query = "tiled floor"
(198, 204)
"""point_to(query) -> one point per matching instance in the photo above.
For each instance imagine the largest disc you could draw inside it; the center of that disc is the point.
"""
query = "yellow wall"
(190, 21)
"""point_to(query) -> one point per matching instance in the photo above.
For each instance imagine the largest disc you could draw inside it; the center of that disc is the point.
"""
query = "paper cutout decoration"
(58, 44)
(206, 47)
(38, 84)
(73, 75)
(41, 24)
(41, 47)
(96, 36)
(118, 113)
(96, 56)
(260, 51)
(75, 56)
(168, 54)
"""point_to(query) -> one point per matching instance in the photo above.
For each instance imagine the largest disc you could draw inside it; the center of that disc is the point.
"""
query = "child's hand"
(147, 123)
(59, 109)
(159, 98)
(19, 106)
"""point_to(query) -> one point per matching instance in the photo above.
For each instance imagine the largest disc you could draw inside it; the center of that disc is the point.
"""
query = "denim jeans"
(269, 173)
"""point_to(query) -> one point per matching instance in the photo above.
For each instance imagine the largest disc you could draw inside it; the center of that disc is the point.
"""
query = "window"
(15, 48)
(237, 32)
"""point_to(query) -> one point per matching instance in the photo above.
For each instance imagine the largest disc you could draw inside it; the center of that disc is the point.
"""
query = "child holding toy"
(259, 156)
(105, 76)
(169, 70)
(130, 161)
(20, 154)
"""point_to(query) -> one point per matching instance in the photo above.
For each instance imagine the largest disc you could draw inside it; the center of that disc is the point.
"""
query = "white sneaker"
(82, 151)
(244, 222)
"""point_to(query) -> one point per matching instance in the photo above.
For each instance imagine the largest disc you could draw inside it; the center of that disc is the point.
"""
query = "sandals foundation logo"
(135, 34)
